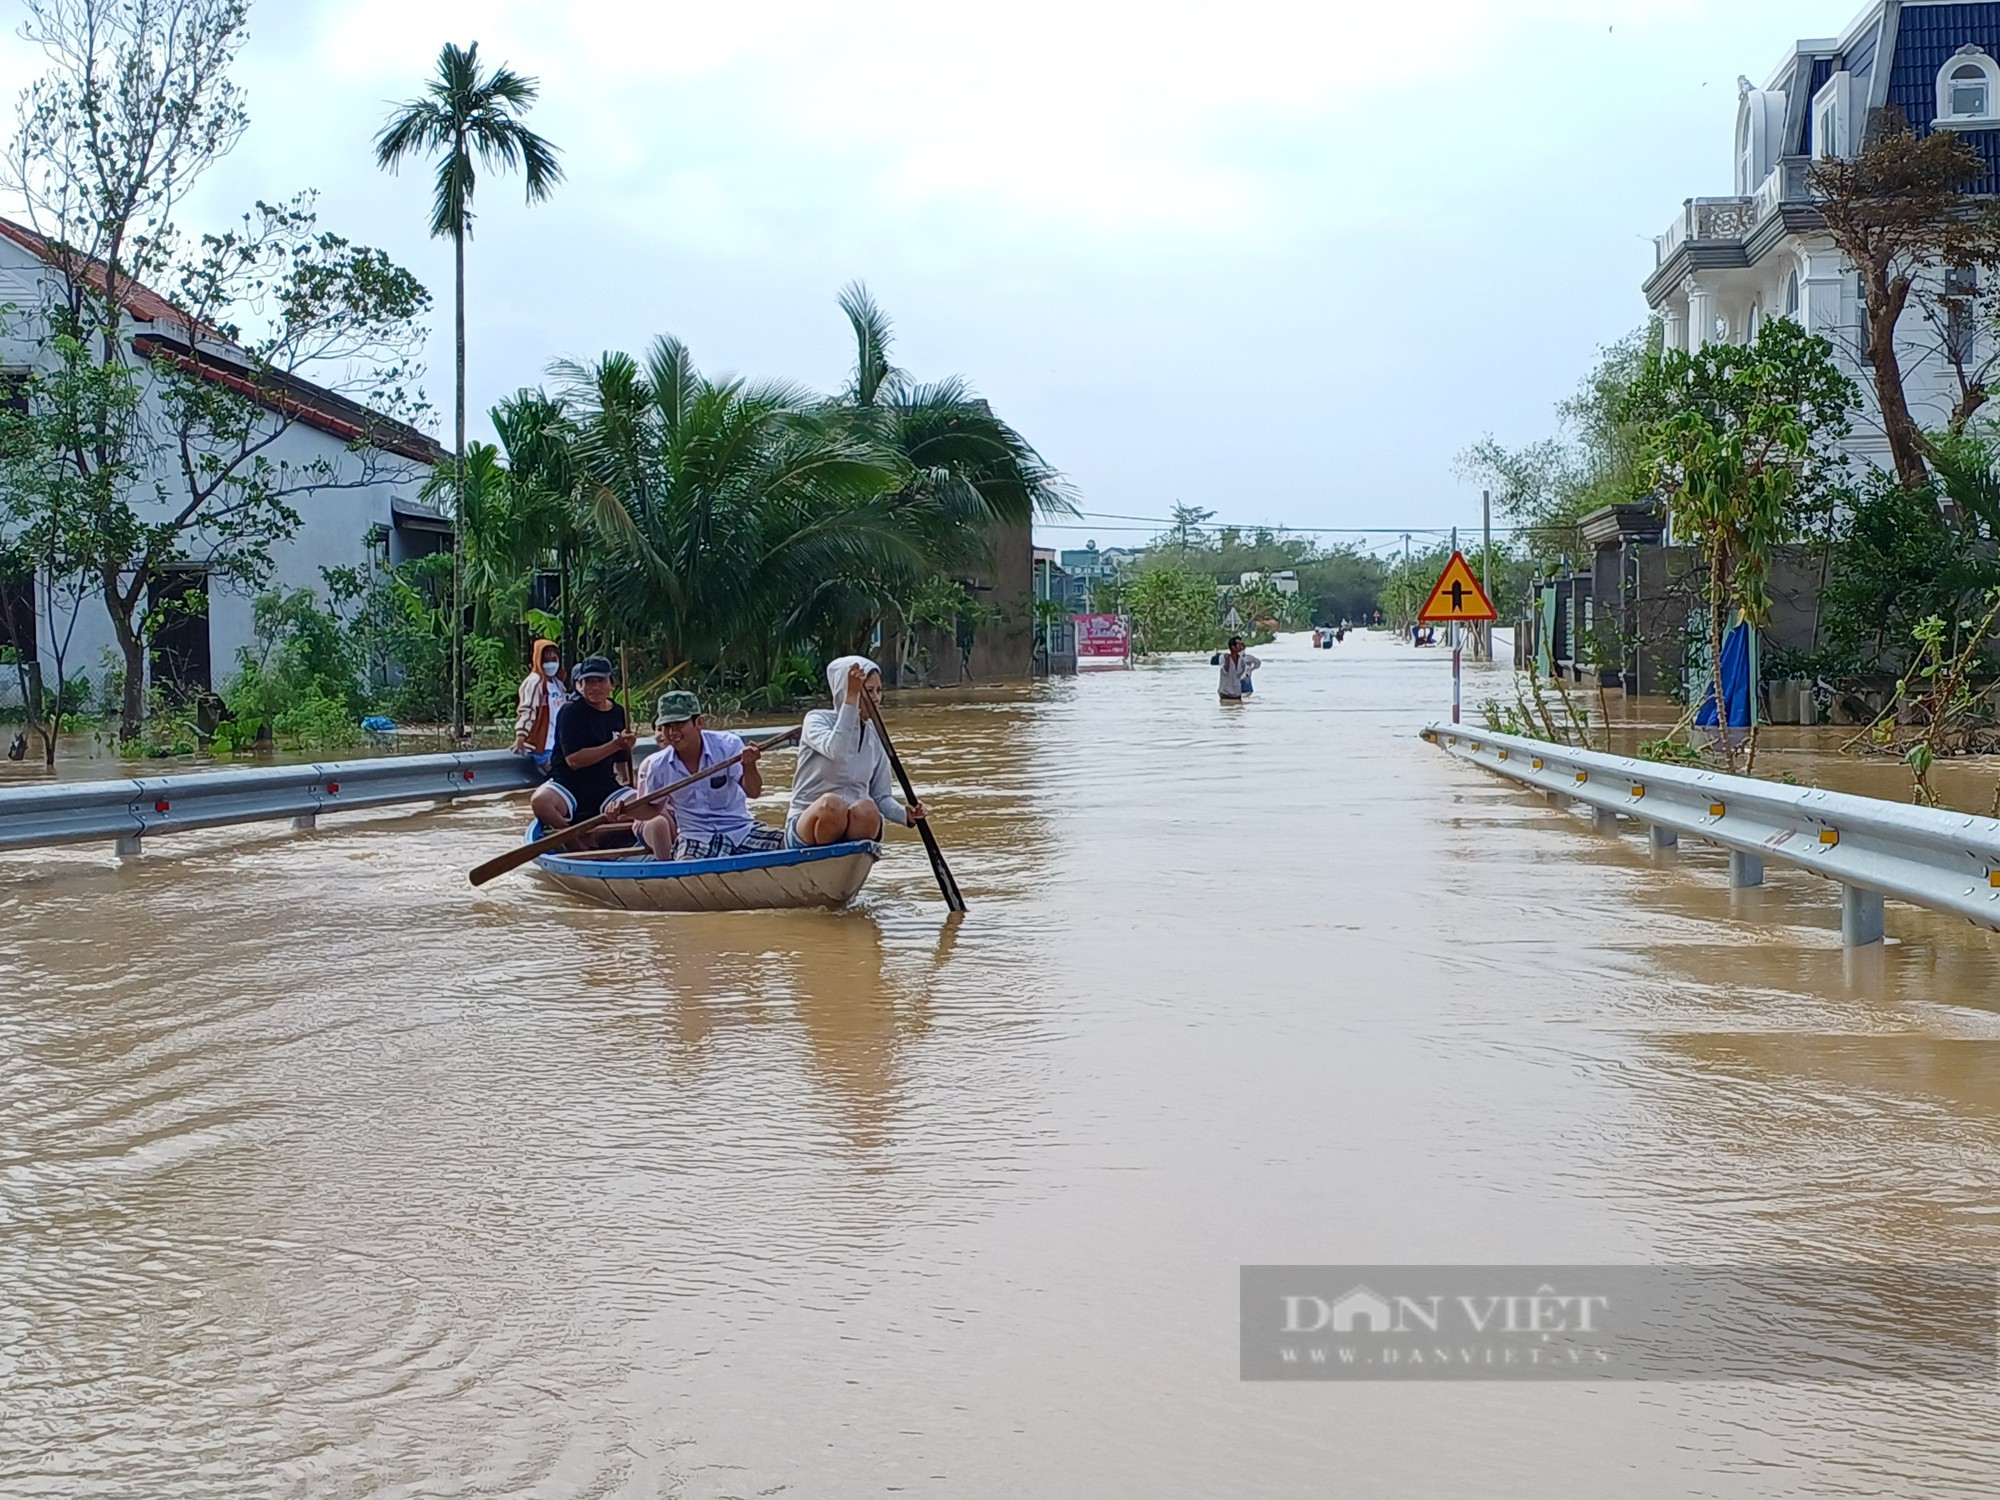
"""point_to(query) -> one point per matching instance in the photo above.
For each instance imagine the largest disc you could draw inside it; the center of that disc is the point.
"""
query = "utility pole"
(1457, 631)
(1485, 637)
(1406, 560)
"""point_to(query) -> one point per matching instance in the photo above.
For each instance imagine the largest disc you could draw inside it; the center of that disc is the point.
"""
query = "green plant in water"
(1669, 751)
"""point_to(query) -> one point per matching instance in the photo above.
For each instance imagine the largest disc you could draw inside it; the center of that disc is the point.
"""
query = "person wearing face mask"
(543, 693)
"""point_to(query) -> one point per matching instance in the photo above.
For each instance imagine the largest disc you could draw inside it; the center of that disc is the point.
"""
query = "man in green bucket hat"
(710, 819)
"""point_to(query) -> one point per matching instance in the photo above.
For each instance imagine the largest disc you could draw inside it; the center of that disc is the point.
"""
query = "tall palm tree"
(464, 114)
(730, 518)
(967, 475)
(957, 449)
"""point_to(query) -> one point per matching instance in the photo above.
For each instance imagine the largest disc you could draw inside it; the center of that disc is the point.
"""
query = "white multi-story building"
(366, 513)
(1727, 263)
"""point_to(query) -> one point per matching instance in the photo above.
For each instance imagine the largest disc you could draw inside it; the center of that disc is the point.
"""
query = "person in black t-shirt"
(591, 770)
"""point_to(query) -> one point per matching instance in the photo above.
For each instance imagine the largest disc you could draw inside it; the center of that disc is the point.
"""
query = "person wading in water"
(1237, 665)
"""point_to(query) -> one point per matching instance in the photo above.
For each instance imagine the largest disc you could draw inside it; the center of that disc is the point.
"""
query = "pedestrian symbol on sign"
(1457, 596)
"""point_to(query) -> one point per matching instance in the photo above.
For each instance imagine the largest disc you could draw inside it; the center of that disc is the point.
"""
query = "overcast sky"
(1278, 258)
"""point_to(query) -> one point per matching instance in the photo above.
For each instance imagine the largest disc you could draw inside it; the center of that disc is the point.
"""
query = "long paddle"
(939, 868)
(514, 858)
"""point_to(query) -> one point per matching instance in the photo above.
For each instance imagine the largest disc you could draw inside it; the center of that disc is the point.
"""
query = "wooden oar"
(939, 868)
(514, 858)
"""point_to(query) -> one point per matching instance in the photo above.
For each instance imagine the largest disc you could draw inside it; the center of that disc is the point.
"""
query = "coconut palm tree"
(967, 474)
(733, 520)
(954, 444)
(464, 114)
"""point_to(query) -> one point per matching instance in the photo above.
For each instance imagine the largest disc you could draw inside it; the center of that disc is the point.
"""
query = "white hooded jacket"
(839, 754)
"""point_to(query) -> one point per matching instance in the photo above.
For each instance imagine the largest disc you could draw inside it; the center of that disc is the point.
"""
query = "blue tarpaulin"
(1735, 682)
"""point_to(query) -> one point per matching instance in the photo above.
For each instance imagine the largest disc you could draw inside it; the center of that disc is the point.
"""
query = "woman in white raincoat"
(843, 788)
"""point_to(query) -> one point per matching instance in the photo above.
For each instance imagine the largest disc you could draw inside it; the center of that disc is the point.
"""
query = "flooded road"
(323, 1174)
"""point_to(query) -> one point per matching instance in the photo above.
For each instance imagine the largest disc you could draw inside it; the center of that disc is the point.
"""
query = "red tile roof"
(289, 395)
(140, 300)
(301, 400)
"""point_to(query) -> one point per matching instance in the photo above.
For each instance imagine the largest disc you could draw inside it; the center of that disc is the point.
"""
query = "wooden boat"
(829, 876)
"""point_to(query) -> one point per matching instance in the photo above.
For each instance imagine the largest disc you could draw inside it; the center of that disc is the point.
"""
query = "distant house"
(1054, 651)
(1084, 567)
(367, 514)
(1725, 264)
(1286, 582)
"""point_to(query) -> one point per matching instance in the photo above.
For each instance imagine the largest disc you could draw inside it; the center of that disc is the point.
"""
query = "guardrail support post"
(1661, 838)
(1745, 870)
(305, 822)
(1860, 917)
(126, 846)
(1604, 820)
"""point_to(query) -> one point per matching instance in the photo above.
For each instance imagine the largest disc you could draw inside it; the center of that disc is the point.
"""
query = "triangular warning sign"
(1457, 596)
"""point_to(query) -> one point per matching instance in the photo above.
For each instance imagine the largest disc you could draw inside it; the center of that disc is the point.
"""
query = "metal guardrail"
(129, 812)
(1946, 861)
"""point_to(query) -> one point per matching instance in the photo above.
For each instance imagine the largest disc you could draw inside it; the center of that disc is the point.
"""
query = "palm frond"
(873, 333)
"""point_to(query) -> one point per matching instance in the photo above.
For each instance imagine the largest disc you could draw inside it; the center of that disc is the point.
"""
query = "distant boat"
(633, 879)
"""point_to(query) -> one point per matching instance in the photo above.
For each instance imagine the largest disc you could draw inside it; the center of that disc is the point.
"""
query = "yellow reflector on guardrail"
(1829, 836)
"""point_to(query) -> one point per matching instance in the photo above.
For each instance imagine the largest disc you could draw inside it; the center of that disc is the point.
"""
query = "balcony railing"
(1732, 219)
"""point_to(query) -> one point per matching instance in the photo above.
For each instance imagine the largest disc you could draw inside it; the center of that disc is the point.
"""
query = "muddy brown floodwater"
(323, 1174)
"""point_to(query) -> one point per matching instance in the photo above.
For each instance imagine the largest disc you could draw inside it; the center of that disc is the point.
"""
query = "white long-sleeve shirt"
(837, 754)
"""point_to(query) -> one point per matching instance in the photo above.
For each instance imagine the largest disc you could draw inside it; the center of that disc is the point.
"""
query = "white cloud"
(1283, 258)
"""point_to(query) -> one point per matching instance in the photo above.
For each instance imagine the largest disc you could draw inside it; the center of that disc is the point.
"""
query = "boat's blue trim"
(667, 869)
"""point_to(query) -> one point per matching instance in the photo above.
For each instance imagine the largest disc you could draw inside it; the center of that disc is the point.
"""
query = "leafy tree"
(1173, 607)
(148, 443)
(301, 674)
(1188, 521)
(467, 118)
(36, 556)
(1409, 582)
(1899, 212)
(1736, 435)
(1546, 487)
(963, 470)
(1896, 564)
(731, 517)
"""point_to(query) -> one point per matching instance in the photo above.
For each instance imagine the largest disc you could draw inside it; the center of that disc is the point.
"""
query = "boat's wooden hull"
(830, 876)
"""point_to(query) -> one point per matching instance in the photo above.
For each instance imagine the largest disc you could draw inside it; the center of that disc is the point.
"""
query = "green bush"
(493, 679)
(300, 678)
(1173, 608)
(318, 723)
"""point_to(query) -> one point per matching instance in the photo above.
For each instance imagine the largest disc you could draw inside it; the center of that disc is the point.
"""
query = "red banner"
(1102, 637)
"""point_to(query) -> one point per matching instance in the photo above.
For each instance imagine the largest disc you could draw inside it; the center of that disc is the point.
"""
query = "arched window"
(1750, 324)
(1760, 127)
(1968, 90)
(1792, 294)
(1968, 86)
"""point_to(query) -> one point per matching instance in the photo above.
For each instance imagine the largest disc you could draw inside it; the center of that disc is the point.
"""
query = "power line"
(1168, 523)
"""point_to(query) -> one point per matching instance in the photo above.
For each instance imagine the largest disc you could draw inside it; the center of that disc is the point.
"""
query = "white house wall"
(1701, 296)
(334, 522)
